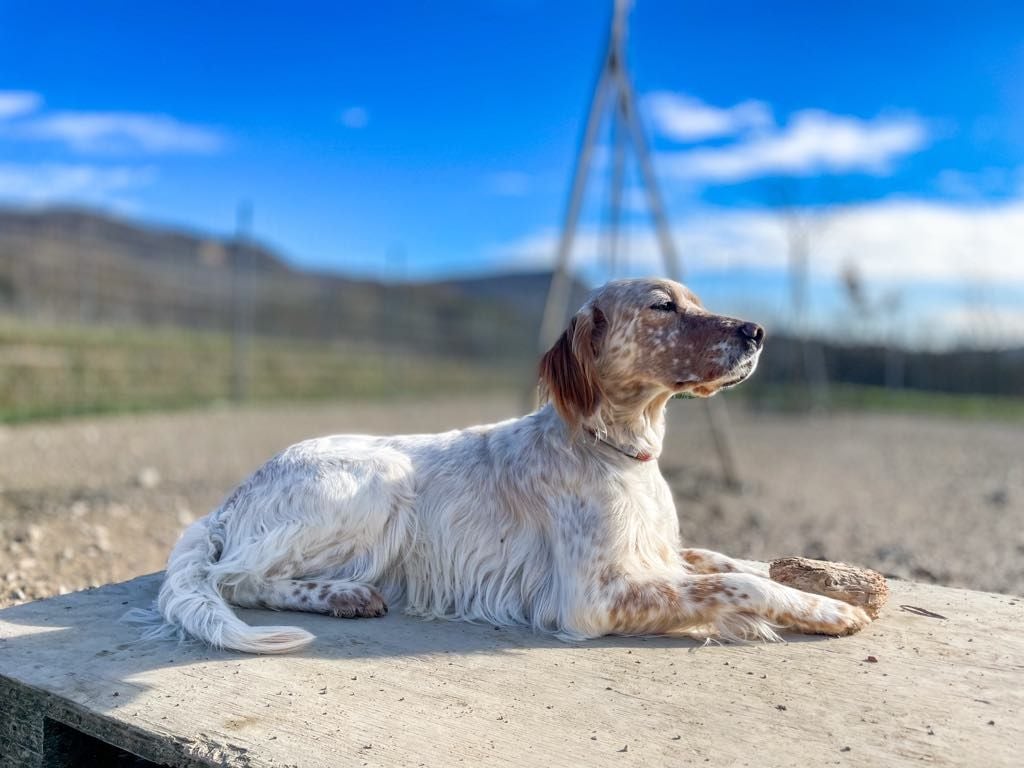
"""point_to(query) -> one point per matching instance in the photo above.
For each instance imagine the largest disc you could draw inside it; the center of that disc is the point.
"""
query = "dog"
(559, 520)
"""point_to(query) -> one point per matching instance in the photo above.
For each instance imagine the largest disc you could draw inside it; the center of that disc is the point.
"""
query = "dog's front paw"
(854, 619)
(829, 617)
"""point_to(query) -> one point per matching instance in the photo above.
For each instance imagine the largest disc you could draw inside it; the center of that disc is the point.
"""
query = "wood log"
(857, 586)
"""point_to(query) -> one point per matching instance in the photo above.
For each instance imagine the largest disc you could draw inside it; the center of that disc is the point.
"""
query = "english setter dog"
(559, 520)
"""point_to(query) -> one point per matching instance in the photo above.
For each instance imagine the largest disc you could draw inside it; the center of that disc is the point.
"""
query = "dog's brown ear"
(568, 373)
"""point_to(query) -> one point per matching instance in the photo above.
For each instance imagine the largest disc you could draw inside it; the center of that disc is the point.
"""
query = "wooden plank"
(399, 691)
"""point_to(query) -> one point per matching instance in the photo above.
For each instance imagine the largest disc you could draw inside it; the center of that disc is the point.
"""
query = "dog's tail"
(191, 604)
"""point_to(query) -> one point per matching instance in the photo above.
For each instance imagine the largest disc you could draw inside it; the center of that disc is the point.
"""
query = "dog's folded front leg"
(734, 605)
(706, 561)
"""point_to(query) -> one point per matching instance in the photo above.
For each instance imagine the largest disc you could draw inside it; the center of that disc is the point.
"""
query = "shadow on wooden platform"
(397, 691)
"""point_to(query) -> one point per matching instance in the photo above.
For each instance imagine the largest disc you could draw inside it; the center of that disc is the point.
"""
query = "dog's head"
(637, 340)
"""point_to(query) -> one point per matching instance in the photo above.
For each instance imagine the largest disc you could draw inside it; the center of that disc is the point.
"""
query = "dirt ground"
(91, 501)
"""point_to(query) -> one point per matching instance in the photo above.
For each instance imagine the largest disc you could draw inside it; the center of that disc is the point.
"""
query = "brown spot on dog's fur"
(693, 558)
(701, 563)
(705, 588)
(644, 607)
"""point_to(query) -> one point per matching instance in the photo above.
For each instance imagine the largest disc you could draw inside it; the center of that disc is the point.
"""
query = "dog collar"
(635, 455)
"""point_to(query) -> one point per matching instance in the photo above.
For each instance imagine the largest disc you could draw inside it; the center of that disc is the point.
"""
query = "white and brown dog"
(559, 520)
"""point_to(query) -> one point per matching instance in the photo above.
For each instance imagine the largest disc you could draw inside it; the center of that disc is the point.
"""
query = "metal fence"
(91, 322)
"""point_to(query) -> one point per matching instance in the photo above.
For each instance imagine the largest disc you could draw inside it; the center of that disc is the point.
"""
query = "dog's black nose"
(754, 332)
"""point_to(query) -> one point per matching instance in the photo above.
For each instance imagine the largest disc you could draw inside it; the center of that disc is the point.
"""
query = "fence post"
(241, 277)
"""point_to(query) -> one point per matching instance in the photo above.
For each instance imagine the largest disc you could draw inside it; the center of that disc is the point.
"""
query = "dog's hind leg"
(316, 528)
(342, 598)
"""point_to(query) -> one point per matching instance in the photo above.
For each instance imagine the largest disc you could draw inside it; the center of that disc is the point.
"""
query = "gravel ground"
(91, 501)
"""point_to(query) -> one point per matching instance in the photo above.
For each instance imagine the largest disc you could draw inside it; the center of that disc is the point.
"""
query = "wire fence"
(98, 315)
(96, 326)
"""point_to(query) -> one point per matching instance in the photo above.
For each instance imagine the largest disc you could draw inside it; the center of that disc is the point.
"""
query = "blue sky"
(439, 137)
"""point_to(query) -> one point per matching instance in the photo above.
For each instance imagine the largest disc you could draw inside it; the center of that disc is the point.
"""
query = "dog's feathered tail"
(190, 603)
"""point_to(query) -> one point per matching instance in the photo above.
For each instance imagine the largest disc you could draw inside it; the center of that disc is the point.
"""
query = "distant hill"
(84, 267)
(90, 267)
(525, 290)
(144, 242)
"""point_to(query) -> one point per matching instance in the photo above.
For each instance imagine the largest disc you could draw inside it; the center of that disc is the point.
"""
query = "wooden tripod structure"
(615, 87)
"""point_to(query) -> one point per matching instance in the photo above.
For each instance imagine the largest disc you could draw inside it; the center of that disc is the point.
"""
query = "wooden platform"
(914, 688)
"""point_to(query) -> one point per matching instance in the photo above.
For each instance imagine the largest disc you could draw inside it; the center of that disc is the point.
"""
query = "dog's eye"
(664, 306)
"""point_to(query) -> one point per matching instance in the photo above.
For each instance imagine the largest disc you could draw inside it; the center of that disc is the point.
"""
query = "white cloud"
(895, 239)
(120, 132)
(813, 142)
(896, 243)
(58, 181)
(685, 118)
(928, 240)
(355, 117)
(509, 184)
(17, 103)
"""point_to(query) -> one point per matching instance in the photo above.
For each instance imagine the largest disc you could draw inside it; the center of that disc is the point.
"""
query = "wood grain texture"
(857, 586)
(399, 691)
